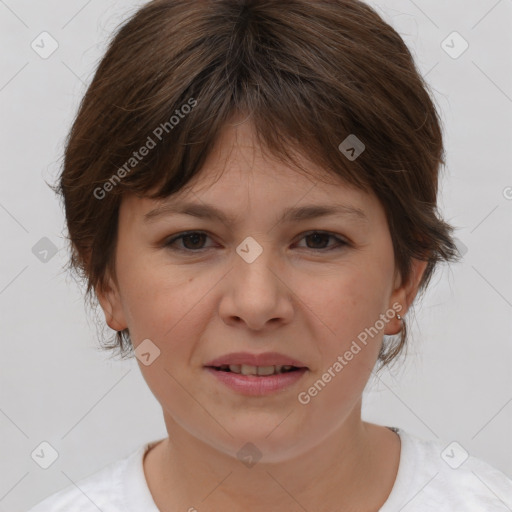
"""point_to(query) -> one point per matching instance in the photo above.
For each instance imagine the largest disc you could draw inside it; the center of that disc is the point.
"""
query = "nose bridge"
(254, 293)
(256, 259)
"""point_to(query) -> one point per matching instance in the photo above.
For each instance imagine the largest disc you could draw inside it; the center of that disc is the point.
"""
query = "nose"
(256, 293)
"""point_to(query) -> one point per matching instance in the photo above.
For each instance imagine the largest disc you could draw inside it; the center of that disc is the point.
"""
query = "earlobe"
(411, 288)
(108, 297)
(404, 293)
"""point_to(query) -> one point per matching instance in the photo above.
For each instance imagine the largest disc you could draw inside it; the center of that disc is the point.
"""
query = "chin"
(250, 444)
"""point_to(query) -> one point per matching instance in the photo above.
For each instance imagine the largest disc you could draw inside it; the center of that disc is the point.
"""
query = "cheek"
(343, 311)
(345, 302)
(164, 302)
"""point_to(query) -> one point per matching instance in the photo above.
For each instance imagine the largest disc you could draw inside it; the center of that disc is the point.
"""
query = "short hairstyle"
(307, 73)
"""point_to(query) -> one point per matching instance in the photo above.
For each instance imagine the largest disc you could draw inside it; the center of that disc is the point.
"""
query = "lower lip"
(256, 386)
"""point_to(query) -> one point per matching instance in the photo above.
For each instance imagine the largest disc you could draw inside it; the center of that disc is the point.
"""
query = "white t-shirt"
(425, 483)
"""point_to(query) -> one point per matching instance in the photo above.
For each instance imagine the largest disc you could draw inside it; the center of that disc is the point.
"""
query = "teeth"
(249, 370)
(268, 370)
(246, 369)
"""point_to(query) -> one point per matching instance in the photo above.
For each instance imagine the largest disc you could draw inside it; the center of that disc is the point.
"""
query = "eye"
(194, 237)
(317, 237)
(192, 241)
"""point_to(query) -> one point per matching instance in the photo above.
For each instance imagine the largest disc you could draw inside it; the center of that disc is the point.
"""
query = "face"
(303, 287)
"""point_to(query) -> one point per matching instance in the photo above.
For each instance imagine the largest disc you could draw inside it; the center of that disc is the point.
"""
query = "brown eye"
(194, 239)
(319, 241)
(318, 238)
(191, 241)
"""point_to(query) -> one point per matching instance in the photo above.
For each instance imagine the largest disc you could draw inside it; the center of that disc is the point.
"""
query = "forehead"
(239, 175)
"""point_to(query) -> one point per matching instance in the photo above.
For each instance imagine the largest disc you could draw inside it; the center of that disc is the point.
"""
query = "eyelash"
(169, 244)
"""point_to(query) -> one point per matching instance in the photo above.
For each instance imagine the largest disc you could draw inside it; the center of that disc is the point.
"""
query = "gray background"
(56, 386)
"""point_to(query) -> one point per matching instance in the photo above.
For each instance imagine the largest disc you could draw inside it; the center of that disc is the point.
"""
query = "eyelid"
(340, 240)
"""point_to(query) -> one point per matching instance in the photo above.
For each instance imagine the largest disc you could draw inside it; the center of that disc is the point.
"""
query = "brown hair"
(308, 73)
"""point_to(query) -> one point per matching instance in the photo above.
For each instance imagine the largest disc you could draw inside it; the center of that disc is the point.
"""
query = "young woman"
(250, 190)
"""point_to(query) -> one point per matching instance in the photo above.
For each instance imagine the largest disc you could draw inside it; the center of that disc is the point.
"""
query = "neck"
(349, 470)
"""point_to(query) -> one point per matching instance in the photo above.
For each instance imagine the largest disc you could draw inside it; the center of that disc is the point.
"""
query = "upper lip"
(264, 359)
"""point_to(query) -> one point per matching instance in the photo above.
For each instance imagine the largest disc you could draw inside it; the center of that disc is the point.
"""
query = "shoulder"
(103, 490)
(444, 477)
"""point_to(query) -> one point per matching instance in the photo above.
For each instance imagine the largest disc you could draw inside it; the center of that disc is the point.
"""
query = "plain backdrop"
(57, 387)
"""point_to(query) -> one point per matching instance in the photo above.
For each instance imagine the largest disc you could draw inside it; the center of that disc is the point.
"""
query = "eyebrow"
(292, 214)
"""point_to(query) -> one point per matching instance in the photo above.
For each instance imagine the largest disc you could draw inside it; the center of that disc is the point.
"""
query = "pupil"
(194, 236)
(318, 235)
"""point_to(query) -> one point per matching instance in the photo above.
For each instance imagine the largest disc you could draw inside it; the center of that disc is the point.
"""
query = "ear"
(404, 293)
(110, 301)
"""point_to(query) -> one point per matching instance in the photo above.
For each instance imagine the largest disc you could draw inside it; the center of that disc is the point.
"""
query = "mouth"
(248, 363)
(260, 371)
(256, 374)
(261, 379)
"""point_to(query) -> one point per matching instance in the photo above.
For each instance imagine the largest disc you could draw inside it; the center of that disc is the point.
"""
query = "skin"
(296, 298)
